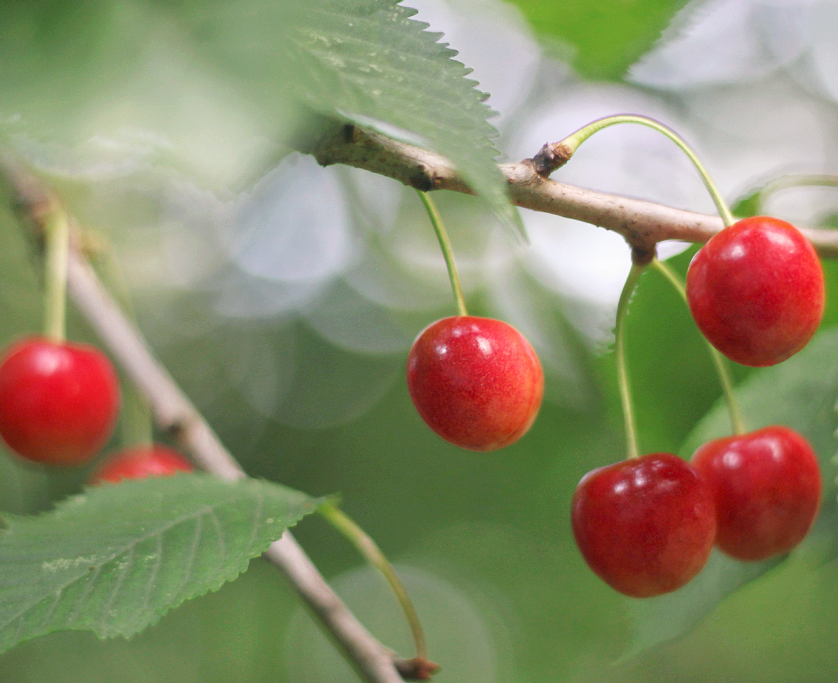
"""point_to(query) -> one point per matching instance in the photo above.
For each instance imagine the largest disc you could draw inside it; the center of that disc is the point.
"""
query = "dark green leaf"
(116, 558)
(799, 393)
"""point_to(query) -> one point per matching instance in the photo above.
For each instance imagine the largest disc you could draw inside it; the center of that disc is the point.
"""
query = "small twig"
(175, 413)
(643, 224)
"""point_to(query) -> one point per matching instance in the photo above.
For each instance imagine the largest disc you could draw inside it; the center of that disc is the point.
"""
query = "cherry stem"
(572, 142)
(447, 252)
(632, 450)
(57, 249)
(137, 428)
(368, 548)
(719, 362)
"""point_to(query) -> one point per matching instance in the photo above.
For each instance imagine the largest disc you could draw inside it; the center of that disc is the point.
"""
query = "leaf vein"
(123, 571)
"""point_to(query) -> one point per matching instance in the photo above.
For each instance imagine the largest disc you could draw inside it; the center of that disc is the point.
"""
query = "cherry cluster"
(647, 525)
(59, 403)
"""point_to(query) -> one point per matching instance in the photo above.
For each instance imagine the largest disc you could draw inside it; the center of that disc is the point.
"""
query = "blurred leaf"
(221, 73)
(114, 559)
(748, 205)
(799, 393)
(607, 36)
(368, 62)
(657, 620)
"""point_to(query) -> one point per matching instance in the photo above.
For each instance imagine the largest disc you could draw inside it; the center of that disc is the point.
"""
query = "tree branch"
(176, 414)
(643, 224)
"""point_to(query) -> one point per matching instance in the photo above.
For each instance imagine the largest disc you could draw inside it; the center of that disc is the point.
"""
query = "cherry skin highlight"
(756, 291)
(645, 525)
(767, 488)
(476, 382)
(141, 462)
(58, 401)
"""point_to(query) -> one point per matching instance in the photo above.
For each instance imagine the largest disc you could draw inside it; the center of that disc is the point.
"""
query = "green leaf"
(369, 62)
(606, 36)
(799, 393)
(114, 559)
(747, 205)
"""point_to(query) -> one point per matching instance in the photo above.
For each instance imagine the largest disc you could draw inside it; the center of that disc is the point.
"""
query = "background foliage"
(284, 298)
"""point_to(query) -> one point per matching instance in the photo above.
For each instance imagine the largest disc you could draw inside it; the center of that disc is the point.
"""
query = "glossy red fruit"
(475, 381)
(767, 488)
(58, 401)
(756, 291)
(141, 462)
(645, 525)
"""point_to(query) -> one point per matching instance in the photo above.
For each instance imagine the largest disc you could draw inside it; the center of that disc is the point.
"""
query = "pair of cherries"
(58, 406)
(647, 525)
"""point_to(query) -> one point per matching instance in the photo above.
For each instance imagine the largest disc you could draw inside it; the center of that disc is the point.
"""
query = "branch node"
(642, 255)
(424, 179)
(550, 157)
(177, 430)
(349, 133)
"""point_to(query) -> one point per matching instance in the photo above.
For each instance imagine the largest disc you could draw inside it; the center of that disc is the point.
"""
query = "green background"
(482, 540)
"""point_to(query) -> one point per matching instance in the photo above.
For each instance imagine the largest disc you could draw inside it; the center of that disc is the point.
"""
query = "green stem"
(137, 428)
(368, 548)
(718, 360)
(447, 252)
(632, 450)
(573, 141)
(57, 248)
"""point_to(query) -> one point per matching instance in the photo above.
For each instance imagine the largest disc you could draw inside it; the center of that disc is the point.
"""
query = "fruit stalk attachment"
(736, 421)
(571, 143)
(447, 252)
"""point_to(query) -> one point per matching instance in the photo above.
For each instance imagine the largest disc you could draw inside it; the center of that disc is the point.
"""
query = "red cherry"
(475, 381)
(756, 291)
(767, 488)
(58, 401)
(644, 525)
(141, 462)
